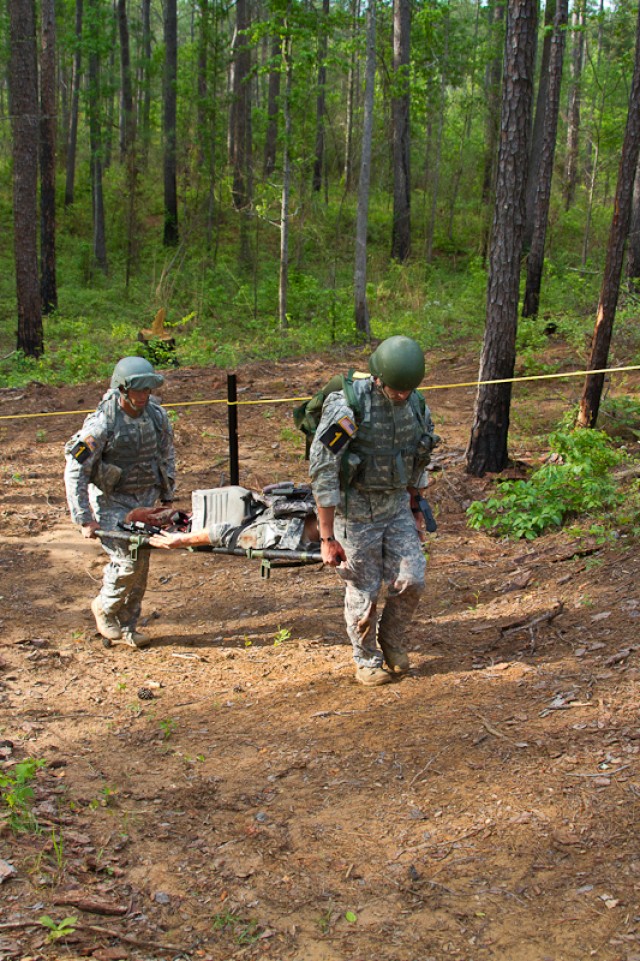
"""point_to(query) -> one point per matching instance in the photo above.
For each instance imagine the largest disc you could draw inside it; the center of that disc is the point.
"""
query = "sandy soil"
(263, 805)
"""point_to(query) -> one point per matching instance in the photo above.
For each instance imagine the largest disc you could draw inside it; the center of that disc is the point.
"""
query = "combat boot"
(396, 660)
(133, 638)
(372, 676)
(107, 624)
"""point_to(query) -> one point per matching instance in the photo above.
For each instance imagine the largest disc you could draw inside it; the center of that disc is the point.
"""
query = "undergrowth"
(576, 480)
(16, 794)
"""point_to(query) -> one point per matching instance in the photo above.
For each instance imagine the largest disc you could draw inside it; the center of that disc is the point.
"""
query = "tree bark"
(23, 105)
(273, 97)
(442, 108)
(145, 83)
(352, 86)
(241, 188)
(592, 392)
(75, 103)
(283, 287)
(203, 131)
(487, 449)
(400, 109)
(535, 260)
(633, 244)
(575, 103)
(360, 274)
(538, 132)
(319, 159)
(493, 77)
(171, 233)
(48, 126)
(95, 138)
(127, 115)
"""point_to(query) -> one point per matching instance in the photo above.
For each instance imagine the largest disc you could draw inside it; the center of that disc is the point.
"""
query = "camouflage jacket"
(363, 467)
(119, 454)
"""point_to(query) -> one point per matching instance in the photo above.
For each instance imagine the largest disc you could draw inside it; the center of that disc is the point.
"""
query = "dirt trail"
(263, 805)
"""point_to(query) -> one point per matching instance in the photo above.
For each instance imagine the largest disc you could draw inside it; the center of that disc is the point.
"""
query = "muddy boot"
(372, 676)
(396, 660)
(133, 638)
(107, 624)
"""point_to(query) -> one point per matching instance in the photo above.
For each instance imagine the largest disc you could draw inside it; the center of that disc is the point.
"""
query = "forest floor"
(263, 804)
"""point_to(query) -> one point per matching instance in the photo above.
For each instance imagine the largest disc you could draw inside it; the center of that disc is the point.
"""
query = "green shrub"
(16, 794)
(577, 479)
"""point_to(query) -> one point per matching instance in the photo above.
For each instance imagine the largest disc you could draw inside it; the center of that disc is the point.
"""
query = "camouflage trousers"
(124, 580)
(380, 552)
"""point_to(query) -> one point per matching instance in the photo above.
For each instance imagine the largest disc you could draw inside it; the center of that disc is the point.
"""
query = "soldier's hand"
(332, 552)
(89, 530)
(166, 540)
(421, 526)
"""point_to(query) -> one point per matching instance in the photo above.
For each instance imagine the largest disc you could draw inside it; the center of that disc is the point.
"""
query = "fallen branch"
(91, 905)
(533, 621)
(493, 730)
(97, 929)
(127, 938)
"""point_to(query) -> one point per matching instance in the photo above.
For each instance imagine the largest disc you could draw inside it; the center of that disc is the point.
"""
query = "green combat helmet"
(398, 362)
(135, 373)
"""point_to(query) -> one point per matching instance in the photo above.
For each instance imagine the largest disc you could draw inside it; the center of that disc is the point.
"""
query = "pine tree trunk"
(319, 159)
(171, 234)
(360, 275)
(487, 450)
(538, 132)
(203, 132)
(492, 121)
(466, 132)
(95, 140)
(633, 243)
(400, 108)
(23, 96)
(273, 96)
(145, 83)
(286, 183)
(240, 129)
(535, 260)
(75, 103)
(575, 103)
(109, 88)
(352, 86)
(48, 125)
(435, 180)
(590, 401)
(127, 124)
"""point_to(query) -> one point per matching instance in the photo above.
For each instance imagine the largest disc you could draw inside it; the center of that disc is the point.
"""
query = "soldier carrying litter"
(122, 458)
(367, 467)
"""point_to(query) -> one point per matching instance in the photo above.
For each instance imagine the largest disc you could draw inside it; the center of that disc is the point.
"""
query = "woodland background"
(279, 177)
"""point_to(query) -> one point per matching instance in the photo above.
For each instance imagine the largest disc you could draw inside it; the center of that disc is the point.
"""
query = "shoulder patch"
(83, 448)
(337, 435)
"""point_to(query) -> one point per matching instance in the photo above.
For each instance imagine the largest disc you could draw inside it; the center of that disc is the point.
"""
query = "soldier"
(366, 471)
(121, 459)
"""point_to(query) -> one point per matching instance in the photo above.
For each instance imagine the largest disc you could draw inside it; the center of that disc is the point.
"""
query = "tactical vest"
(133, 445)
(381, 455)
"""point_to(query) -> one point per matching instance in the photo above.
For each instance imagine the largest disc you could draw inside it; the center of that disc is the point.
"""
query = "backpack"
(307, 416)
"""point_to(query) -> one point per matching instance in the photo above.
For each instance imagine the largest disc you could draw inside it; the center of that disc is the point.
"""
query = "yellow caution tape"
(291, 400)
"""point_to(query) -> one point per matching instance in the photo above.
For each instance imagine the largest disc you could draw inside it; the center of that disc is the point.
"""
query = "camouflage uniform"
(366, 482)
(280, 524)
(129, 463)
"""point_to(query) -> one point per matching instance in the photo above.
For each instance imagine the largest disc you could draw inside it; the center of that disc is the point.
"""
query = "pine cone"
(145, 694)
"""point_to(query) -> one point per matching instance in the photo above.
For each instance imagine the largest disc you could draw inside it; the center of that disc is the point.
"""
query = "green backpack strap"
(307, 416)
(419, 406)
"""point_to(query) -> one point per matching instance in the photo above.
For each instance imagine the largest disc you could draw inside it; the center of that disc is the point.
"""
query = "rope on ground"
(300, 400)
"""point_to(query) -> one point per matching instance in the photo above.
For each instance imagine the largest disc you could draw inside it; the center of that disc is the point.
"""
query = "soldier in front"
(366, 468)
